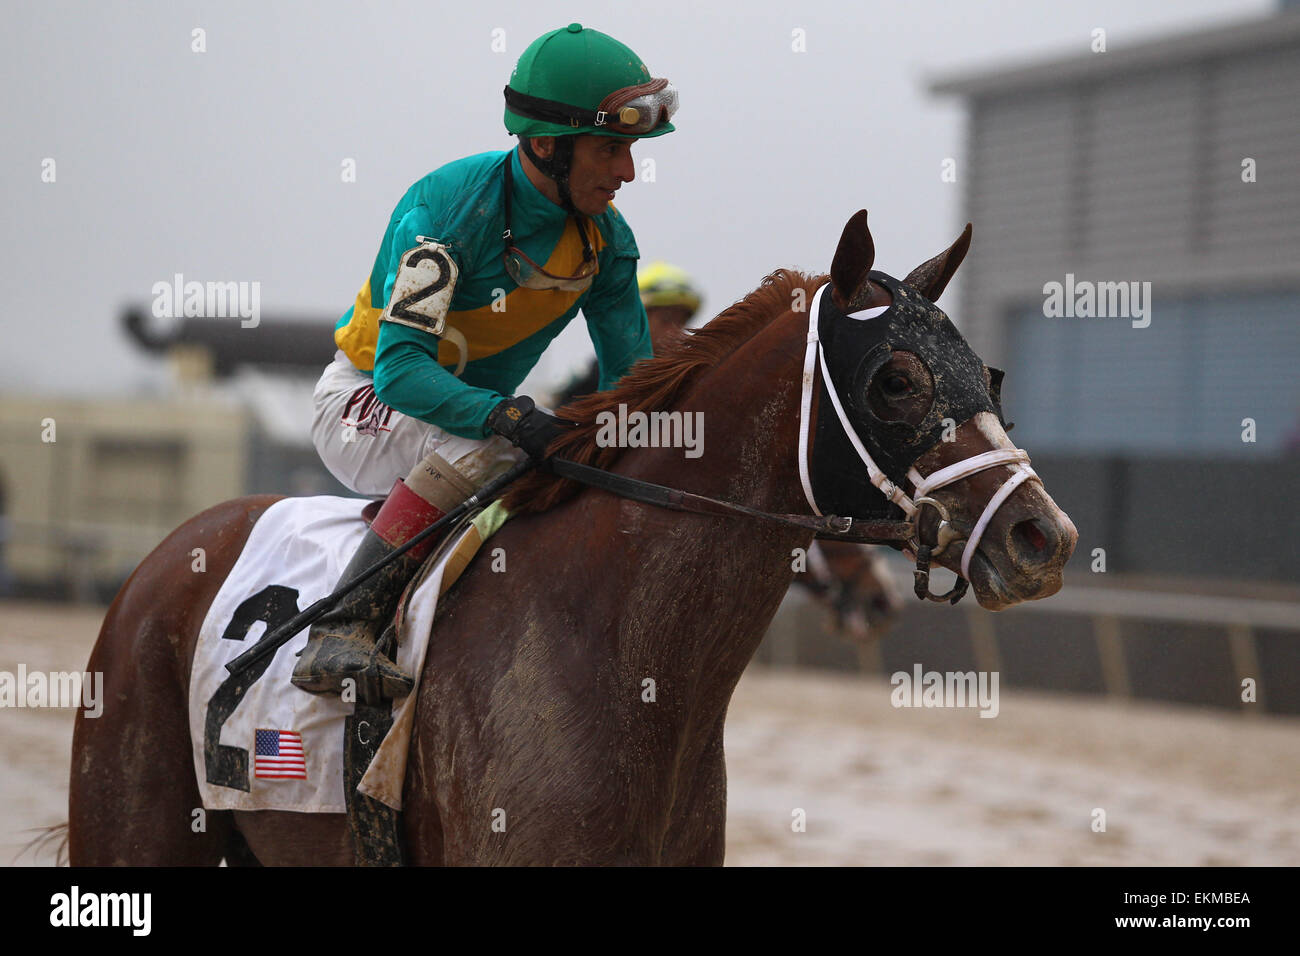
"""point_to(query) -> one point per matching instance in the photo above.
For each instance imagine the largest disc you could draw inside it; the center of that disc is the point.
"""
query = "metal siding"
(1128, 382)
(1143, 168)
(1022, 204)
(1019, 200)
(1154, 163)
(1256, 102)
(1247, 369)
(1040, 380)
(1180, 386)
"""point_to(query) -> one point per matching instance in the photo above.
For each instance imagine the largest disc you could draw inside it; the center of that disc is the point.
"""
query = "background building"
(1175, 163)
(89, 487)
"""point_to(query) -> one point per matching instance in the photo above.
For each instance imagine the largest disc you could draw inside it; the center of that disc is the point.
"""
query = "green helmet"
(577, 80)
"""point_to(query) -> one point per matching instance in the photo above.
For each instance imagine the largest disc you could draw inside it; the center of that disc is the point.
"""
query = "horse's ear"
(931, 278)
(854, 257)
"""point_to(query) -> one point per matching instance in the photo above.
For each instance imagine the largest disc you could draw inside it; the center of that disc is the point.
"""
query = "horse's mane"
(657, 384)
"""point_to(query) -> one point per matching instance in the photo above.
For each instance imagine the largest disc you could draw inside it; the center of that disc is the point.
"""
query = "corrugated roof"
(1274, 30)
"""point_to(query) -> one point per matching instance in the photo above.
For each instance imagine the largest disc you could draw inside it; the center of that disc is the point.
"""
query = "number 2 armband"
(422, 290)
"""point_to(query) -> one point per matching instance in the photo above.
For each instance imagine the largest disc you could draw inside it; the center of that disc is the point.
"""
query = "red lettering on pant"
(366, 413)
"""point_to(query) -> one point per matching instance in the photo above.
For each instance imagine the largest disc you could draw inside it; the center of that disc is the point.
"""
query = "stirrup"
(331, 658)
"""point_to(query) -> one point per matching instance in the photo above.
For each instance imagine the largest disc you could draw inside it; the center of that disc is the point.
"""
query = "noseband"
(945, 533)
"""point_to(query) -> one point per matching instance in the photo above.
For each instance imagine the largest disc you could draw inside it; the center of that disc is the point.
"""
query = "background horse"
(853, 583)
(580, 696)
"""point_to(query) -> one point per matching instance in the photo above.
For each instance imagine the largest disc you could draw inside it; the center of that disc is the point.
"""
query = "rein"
(832, 527)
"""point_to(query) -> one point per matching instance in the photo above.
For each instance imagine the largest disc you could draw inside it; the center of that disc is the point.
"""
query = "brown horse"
(578, 698)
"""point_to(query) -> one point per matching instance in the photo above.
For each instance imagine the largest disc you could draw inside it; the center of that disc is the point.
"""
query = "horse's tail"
(44, 835)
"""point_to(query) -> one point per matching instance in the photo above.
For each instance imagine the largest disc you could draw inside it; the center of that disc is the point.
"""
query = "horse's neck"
(749, 408)
(726, 575)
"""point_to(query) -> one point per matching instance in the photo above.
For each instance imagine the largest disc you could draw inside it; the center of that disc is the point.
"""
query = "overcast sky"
(226, 164)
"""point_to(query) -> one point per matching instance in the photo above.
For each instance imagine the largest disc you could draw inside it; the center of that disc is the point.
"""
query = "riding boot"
(341, 644)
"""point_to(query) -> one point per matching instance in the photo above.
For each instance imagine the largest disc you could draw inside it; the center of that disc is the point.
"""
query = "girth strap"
(894, 533)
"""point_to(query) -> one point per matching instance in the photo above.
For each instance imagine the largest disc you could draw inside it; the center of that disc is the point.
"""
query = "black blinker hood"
(855, 349)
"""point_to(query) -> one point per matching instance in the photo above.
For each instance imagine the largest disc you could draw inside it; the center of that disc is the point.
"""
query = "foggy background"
(226, 165)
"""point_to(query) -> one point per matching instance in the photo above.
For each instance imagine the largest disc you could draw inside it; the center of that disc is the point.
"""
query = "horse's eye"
(896, 385)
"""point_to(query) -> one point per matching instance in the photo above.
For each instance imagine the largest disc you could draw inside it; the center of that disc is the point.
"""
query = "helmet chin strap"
(556, 168)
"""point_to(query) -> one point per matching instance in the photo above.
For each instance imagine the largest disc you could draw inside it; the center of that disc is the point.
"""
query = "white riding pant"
(367, 445)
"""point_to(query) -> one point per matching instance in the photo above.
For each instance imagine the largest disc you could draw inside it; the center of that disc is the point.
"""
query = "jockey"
(671, 301)
(483, 263)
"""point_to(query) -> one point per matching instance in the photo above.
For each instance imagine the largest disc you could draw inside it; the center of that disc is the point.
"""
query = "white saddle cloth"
(292, 741)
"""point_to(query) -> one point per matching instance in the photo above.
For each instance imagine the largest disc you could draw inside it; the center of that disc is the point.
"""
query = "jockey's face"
(601, 164)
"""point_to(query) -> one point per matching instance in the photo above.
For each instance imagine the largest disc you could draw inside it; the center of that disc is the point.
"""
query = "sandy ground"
(913, 786)
(876, 785)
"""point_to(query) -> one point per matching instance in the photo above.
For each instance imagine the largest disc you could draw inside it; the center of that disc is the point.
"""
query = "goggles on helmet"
(638, 109)
(631, 111)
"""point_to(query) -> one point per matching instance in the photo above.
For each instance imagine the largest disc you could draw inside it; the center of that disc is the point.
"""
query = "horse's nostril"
(1029, 536)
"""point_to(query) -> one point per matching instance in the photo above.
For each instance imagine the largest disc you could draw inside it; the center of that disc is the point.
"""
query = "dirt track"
(878, 785)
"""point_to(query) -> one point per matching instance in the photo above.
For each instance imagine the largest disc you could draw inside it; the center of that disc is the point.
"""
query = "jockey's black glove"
(525, 425)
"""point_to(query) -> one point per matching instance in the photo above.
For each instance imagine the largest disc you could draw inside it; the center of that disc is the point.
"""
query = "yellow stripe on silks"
(496, 327)
(359, 338)
(487, 330)
(525, 312)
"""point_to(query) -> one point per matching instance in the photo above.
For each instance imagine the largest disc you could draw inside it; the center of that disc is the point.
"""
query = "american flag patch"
(278, 756)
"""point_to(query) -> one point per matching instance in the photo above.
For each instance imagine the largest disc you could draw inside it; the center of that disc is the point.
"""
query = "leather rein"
(829, 527)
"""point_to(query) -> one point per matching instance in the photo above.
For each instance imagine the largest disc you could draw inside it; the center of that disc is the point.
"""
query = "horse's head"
(908, 405)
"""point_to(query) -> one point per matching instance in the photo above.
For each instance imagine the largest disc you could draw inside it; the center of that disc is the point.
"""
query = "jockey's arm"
(616, 322)
(407, 374)
(409, 379)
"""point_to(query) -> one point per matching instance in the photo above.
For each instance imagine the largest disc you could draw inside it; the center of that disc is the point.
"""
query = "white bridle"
(1016, 458)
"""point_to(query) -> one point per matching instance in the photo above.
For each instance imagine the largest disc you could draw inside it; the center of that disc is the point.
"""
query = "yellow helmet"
(662, 284)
